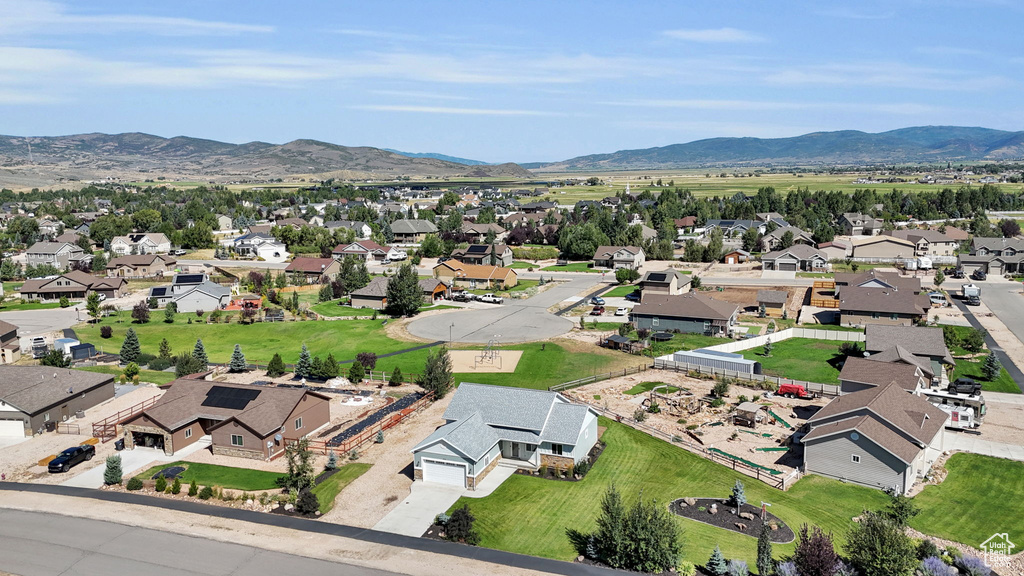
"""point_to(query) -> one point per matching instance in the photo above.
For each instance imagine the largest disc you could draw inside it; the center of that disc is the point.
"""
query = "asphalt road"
(38, 544)
(1007, 303)
(32, 322)
(514, 321)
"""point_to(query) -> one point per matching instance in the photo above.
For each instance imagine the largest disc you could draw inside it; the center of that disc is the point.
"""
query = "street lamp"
(450, 334)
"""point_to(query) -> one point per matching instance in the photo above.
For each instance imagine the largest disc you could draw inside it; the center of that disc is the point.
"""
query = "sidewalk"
(975, 445)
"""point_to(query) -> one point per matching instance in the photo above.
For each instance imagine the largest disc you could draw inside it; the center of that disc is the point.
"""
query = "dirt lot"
(747, 297)
(714, 428)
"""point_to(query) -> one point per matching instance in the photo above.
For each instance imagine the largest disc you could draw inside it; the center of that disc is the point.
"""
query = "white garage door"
(14, 428)
(441, 472)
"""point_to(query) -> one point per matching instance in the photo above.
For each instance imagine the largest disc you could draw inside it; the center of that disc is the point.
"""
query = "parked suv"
(68, 458)
(965, 386)
(978, 275)
(597, 311)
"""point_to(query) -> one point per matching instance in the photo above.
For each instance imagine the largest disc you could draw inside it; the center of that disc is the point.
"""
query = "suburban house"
(773, 240)
(37, 398)
(732, 228)
(616, 257)
(884, 248)
(433, 289)
(362, 229)
(875, 279)
(880, 437)
(473, 276)
(313, 270)
(69, 237)
(368, 250)
(296, 223)
(488, 426)
(412, 231)
(224, 223)
(798, 257)
(737, 256)
(260, 245)
(860, 305)
(147, 243)
(692, 313)
(60, 255)
(863, 373)
(478, 232)
(667, 282)
(924, 347)
(10, 346)
(857, 224)
(141, 266)
(241, 420)
(835, 250)
(685, 226)
(374, 295)
(773, 302)
(928, 242)
(192, 292)
(481, 254)
(994, 256)
(74, 285)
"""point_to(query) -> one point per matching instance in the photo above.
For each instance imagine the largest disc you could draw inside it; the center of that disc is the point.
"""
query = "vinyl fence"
(759, 380)
(747, 344)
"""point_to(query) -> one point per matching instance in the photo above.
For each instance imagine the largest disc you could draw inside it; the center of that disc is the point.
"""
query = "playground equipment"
(675, 403)
(489, 356)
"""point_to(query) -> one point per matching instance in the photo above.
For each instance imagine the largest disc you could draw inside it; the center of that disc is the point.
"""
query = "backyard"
(223, 476)
(799, 359)
(152, 376)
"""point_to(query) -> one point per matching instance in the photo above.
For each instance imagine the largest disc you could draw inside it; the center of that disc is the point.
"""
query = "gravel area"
(1004, 422)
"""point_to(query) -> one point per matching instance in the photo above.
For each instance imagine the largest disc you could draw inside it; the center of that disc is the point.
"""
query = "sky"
(514, 81)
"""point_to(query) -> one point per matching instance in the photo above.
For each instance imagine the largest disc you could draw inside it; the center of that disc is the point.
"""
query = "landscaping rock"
(713, 509)
(741, 526)
(249, 502)
(746, 515)
(289, 507)
(690, 501)
(579, 558)
(773, 526)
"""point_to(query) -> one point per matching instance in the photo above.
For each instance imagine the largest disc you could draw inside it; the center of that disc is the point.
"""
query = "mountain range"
(847, 147)
(437, 156)
(48, 160)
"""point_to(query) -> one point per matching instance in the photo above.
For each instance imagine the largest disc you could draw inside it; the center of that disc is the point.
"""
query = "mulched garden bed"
(550, 474)
(699, 509)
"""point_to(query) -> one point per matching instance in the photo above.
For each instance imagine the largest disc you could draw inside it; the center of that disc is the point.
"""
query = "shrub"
(738, 568)
(716, 565)
(176, 486)
(307, 502)
(353, 455)
(687, 569)
(934, 566)
(442, 519)
(626, 275)
(786, 569)
(580, 468)
(332, 461)
(206, 493)
(654, 408)
(639, 415)
(276, 366)
(379, 439)
(356, 372)
(972, 566)
(193, 489)
(106, 331)
(460, 527)
(161, 484)
(160, 364)
(112, 473)
(815, 553)
(717, 403)
(878, 546)
(396, 377)
(720, 389)
(131, 370)
(134, 483)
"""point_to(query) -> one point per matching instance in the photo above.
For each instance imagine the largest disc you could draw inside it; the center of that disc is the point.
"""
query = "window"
(874, 315)
(46, 417)
(556, 449)
(236, 439)
(188, 433)
(654, 321)
(894, 316)
(298, 423)
(855, 458)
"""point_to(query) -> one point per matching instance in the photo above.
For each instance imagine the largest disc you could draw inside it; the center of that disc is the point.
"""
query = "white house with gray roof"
(487, 425)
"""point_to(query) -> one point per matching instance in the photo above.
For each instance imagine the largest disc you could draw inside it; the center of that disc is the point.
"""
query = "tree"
(330, 367)
(140, 313)
(130, 348)
(367, 359)
(973, 340)
(326, 293)
(716, 563)
(1009, 228)
(186, 364)
(750, 238)
(878, 546)
(307, 502)
(169, 312)
(626, 275)
(165, 349)
(131, 370)
(404, 294)
(237, 363)
(199, 353)
(92, 305)
(112, 472)
(356, 373)
(431, 247)
(276, 366)
(303, 369)
(765, 564)
(56, 358)
(460, 527)
(940, 277)
(900, 509)
(396, 377)
(767, 347)
(64, 302)
(786, 240)
(300, 467)
(992, 367)
(739, 495)
(815, 554)
(437, 375)
(580, 241)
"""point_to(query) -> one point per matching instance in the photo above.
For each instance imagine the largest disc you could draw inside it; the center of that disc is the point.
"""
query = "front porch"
(519, 455)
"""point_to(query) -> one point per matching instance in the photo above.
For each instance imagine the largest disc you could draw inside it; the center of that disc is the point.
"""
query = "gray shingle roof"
(772, 296)
(377, 288)
(689, 305)
(34, 388)
(880, 373)
(413, 227)
(918, 340)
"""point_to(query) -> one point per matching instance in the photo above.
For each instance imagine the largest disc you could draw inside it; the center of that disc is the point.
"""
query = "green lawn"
(328, 490)
(799, 359)
(546, 364)
(521, 265)
(144, 375)
(11, 287)
(529, 515)
(620, 291)
(521, 285)
(13, 305)
(332, 308)
(972, 369)
(223, 476)
(683, 342)
(647, 387)
(961, 507)
(600, 326)
(574, 267)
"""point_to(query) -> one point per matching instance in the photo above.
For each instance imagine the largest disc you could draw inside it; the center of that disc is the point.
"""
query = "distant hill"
(437, 156)
(846, 147)
(57, 159)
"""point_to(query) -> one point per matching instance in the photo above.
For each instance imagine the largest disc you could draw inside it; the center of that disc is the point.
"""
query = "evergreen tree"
(940, 277)
(130, 349)
(112, 473)
(992, 367)
(305, 363)
(64, 302)
(326, 293)
(716, 565)
(199, 353)
(276, 366)
(356, 373)
(765, 564)
(768, 347)
(460, 527)
(316, 368)
(396, 377)
(186, 364)
(92, 305)
(332, 461)
(165, 349)
(437, 375)
(404, 294)
(330, 367)
(739, 495)
(237, 363)
(169, 313)
(878, 546)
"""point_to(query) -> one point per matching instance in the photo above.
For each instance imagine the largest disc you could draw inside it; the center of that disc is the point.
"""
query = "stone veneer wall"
(471, 481)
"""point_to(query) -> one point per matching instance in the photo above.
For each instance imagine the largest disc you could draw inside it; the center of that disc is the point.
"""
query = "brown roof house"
(616, 257)
(474, 277)
(36, 398)
(478, 232)
(692, 313)
(366, 249)
(433, 289)
(75, 285)
(859, 306)
(667, 282)
(924, 347)
(313, 270)
(374, 295)
(141, 266)
(864, 373)
(880, 437)
(10, 347)
(885, 249)
(412, 231)
(481, 254)
(240, 420)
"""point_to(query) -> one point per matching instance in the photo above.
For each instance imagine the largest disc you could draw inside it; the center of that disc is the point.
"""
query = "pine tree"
(276, 366)
(356, 373)
(716, 564)
(165, 349)
(992, 367)
(739, 496)
(199, 353)
(169, 313)
(112, 473)
(302, 368)
(332, 461)
(130, 349)
(767, 347)
(437, 375)
(396, 377)
(326, 293)
(92, 305)
(193, 489)
(765, 564)
(380, 437)
(330, 367)
(237, 363)
(316, 368)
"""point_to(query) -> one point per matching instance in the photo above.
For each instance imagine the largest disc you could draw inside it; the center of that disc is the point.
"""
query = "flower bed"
(700, 509)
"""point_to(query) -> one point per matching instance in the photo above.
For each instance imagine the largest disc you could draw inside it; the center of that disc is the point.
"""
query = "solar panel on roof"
(656, 277)
(477, 249)
(161, 291)
(188, 279)
(230, 398)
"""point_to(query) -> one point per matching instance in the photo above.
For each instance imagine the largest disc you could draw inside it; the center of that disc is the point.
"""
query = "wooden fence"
(106, 429)
(390, 421)
(761, 380)
(825, 303)
(598, 377)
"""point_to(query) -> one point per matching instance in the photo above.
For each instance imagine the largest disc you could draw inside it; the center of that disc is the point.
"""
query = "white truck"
(968, 290)
(491, 299)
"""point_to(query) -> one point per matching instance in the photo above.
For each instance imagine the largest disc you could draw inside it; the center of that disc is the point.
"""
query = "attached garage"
(12, 428)
(787, 266)
(442, 472)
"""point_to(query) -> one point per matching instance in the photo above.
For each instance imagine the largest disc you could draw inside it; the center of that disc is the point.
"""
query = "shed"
(774, 302)
(718, 360)
(82, 351)
(748, 414)
(736, 257)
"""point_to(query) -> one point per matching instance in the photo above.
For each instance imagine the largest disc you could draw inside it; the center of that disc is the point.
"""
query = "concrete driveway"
(417, 512)
(976, 445)
(132, 461)
(515, 321)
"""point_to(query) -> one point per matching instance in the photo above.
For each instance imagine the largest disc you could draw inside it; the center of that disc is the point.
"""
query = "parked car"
(385, 262)
(597, 301)
(179, 252)
(793, 391)
(965, 386)
(937, 298)
(462, 296)
(633, 296)
(957, 273)
(597, 311)
(491, 299)
(978, 275)
(973, 300)
(443, 259)
(622, 311)
(68, 458)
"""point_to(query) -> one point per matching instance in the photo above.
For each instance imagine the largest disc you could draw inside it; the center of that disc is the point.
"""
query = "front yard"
(223, 476)
(573, 267)
(799, 359)
(329, 489)
(972, 369)
(16, 304)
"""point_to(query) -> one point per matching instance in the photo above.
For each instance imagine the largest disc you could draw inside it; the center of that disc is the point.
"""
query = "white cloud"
(448, 110)
(421, 95)
(8, 96)
(890, 74)
(714, 35)
(898, 108)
